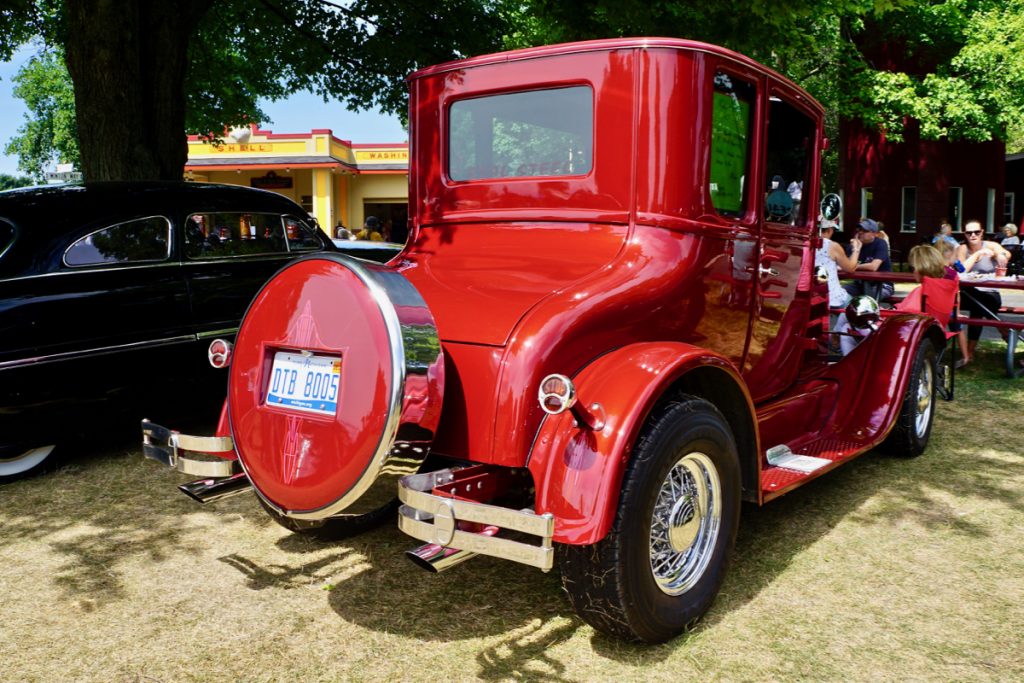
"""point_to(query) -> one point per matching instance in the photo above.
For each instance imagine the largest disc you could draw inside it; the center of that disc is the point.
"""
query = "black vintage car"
(110, 294)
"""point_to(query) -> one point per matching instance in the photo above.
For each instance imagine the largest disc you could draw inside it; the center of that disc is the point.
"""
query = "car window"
(6, 237)
(791, 137)
(232, 234)
(731, 125)
(522, 134)
(137, 241)
(301, 237)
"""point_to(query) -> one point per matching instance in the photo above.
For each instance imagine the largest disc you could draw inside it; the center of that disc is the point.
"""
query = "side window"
(232, 234)
(138, 241)
(731, 111)
(6, 237)
(791, 135)
(301, 237)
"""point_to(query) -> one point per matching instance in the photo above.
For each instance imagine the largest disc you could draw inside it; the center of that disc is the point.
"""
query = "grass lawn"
(886, 569)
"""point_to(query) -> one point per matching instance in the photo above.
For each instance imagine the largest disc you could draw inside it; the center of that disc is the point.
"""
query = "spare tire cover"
(312, 462)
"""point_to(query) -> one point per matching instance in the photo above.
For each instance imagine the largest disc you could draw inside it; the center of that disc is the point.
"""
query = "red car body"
(610, 267)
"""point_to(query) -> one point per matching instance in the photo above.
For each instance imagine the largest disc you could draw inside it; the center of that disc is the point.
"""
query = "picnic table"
(968, 282)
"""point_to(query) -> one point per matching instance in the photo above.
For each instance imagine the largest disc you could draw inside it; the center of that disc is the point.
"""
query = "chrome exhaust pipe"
(437, 558)
(210, 490)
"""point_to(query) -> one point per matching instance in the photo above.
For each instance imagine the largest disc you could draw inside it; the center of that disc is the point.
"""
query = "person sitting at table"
(873, 257)
(945, 236)
(1010, 230)
(832, 258)
(979, 257)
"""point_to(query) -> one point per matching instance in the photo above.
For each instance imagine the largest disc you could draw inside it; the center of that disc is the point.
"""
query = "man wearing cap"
(873, 255)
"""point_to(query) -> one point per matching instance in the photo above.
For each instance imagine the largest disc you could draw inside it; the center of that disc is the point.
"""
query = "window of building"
(990, 210)
(791, 135)
(522, 134)
(908, 211)
(731, 122)
(867, 202)
(138, 241)
(954, 207)
(232, 234)
(1009, 208)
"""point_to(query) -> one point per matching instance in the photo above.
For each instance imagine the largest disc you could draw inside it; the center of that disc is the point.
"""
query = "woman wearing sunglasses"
(981, 257)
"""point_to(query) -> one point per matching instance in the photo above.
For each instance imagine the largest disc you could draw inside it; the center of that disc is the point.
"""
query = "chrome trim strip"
(98, 351)
(217, 333)
(431, 518)
(104, 266)
(79, 270)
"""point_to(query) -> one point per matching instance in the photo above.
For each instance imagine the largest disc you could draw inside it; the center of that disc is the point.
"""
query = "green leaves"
(49, 133)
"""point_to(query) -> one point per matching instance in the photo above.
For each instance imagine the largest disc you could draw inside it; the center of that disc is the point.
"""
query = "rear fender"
(578, 471)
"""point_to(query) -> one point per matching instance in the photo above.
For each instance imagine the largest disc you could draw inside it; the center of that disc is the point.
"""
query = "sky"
(299, 113)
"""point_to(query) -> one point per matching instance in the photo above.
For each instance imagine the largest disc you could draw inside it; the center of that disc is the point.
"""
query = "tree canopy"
(956, 67)
(198, 66)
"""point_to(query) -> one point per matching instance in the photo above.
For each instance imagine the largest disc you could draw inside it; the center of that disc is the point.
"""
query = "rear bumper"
(166, 446)
(436, 519)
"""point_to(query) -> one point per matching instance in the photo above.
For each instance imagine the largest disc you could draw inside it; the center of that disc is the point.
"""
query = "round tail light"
(219, 353)
(557, 394)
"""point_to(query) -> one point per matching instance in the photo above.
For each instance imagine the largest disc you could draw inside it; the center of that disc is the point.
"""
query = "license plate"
(305, 383)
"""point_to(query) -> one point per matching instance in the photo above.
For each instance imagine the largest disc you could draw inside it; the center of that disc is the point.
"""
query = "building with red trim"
(333, 179)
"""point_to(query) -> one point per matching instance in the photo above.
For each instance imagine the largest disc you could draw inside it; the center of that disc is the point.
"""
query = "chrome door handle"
(765, 270)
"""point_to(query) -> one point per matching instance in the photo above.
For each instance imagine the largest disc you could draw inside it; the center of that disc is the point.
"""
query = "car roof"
(55, 209)
(45, 216)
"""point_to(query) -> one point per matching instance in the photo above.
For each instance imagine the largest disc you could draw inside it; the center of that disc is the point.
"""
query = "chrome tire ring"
(685, 523)
(925, 404)
(33, 457)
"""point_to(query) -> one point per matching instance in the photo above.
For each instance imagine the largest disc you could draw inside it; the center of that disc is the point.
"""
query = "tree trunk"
(128, 60)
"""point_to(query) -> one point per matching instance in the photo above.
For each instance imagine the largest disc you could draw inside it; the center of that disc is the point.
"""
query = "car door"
(782, 300)
(229, 255)
(102, 316)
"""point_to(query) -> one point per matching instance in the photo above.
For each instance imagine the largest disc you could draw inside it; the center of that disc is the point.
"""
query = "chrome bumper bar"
(165, 446)
(435, 519)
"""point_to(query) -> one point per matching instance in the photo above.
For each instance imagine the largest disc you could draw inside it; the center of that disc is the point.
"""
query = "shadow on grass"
(102, 510)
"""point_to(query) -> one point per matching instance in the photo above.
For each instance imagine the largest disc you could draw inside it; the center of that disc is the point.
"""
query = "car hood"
(479, 280)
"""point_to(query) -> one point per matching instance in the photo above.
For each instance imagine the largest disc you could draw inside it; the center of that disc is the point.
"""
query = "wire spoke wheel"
(685, 523)
(925, 404)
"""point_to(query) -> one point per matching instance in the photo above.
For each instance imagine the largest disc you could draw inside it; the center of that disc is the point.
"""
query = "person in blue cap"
(873, 257)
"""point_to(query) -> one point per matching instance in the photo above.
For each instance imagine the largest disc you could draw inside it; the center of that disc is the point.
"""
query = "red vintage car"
(604, 332)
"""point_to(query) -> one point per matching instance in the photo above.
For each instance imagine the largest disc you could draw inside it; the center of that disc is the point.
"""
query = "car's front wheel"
(660, 566)
(24, 462)
(909, 436)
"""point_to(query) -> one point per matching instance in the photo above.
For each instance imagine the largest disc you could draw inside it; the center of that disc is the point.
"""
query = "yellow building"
(334, 180)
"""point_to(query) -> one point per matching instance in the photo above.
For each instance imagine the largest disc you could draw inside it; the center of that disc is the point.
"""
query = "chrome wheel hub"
(685, 523)
(924, 399)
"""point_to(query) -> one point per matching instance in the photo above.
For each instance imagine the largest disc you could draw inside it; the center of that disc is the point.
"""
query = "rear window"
(137, 241)
(522, 134)
(6, 237)
(230, 234)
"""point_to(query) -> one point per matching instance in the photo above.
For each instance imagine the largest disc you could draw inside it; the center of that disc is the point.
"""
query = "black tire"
(909, 436)
(334, 528)
(612, 584)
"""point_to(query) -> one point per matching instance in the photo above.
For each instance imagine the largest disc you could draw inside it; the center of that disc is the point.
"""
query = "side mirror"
(831, 207)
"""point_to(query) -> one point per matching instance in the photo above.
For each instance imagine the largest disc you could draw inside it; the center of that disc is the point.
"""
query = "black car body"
(110, 294)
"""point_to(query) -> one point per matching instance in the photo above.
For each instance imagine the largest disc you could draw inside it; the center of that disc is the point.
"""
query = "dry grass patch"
(886, 569)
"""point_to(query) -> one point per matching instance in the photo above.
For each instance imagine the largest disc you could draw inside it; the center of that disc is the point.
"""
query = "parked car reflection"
(111, 290)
